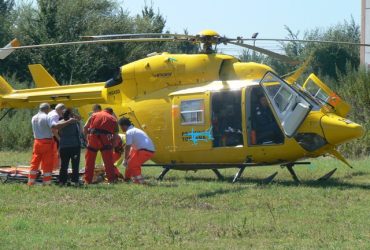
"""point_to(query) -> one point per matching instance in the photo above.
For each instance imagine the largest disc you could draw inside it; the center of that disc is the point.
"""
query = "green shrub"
(16, 131)
(354, 88)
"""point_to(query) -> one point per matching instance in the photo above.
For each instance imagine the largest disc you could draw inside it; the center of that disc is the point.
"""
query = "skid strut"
(238, 174)
(164, 172)
(292, 173)
(218, 174)
(290, 166)
(6, 112)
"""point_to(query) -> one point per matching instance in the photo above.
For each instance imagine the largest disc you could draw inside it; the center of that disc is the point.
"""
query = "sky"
(234, 18)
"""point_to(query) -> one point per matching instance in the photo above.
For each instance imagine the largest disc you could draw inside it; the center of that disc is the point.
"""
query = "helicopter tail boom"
(71, 95)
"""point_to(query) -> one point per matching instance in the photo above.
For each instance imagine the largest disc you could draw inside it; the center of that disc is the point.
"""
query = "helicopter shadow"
(221, 191)
(331, 183)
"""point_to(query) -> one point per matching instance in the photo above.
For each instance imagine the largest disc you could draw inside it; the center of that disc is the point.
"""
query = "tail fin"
(41, 77)
(5, 88)
(6, 51)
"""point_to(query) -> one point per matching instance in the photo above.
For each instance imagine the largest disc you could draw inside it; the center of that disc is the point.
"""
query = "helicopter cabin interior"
(226, 109)
(225, 120)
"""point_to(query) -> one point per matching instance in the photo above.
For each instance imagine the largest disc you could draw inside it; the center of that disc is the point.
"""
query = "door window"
(325, 95)
(261, 123)
(192, 112)
(290, 107)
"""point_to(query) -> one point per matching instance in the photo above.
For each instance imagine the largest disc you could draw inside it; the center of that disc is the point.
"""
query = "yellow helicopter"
(199, 109)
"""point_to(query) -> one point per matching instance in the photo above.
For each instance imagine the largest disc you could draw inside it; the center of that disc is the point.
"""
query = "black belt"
(96, 131)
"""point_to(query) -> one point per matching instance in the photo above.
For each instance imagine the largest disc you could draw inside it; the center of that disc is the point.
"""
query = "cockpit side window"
(115, 80)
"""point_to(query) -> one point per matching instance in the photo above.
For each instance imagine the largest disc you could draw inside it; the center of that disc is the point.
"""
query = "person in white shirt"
(43, 145)
(139, 149)
(54, 117)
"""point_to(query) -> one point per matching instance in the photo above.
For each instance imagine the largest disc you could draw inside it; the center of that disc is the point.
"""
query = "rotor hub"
(208, 38)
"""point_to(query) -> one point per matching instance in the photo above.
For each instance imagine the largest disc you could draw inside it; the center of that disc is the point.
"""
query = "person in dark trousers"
(70, 149)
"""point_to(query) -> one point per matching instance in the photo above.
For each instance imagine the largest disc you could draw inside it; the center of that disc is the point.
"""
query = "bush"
(15, 128)
(16, 131)
(354, 88)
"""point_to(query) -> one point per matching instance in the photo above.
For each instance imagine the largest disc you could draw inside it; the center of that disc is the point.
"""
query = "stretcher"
(20, 174)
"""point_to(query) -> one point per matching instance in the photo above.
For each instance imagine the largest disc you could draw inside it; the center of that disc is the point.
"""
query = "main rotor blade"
(142, 35)
(267, 52)
(304, 41)
(97, 42)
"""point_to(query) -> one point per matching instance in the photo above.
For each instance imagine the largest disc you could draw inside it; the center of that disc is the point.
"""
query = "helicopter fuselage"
(200, 109)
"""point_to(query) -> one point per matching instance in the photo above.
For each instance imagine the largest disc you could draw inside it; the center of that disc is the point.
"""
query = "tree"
(6, 18)
(6, 8)
(330, 59)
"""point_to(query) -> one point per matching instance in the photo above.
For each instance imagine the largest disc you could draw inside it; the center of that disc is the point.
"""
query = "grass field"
(193, 211)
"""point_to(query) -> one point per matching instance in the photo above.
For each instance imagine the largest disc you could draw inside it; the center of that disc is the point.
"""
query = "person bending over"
(139, 149)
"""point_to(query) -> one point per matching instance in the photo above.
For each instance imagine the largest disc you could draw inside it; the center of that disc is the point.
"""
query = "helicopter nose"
(338, 130)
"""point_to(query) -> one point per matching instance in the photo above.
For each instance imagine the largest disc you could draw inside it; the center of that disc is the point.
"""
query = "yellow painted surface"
(341, 107)
(41, 77)
(151, 93)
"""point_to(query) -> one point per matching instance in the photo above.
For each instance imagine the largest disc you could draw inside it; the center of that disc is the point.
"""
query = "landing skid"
(290, 166)
(327, 176)
(269, 179)
(167, 169)
(215, 166)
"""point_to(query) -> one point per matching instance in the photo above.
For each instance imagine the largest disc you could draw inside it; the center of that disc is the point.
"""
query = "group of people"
(59, 135)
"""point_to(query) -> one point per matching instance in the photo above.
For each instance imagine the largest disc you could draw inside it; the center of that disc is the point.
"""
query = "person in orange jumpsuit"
(43, 152)
(139, 149)
(100, 128)
(118, 146)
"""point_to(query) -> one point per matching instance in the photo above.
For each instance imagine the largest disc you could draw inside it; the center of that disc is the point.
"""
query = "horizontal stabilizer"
(41, 76)
(6, 51)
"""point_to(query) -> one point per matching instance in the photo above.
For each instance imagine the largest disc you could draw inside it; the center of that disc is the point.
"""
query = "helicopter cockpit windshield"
(115, 80)
(289, 106)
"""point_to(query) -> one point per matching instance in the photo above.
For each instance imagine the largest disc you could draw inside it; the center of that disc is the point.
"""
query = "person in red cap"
(100, 128)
